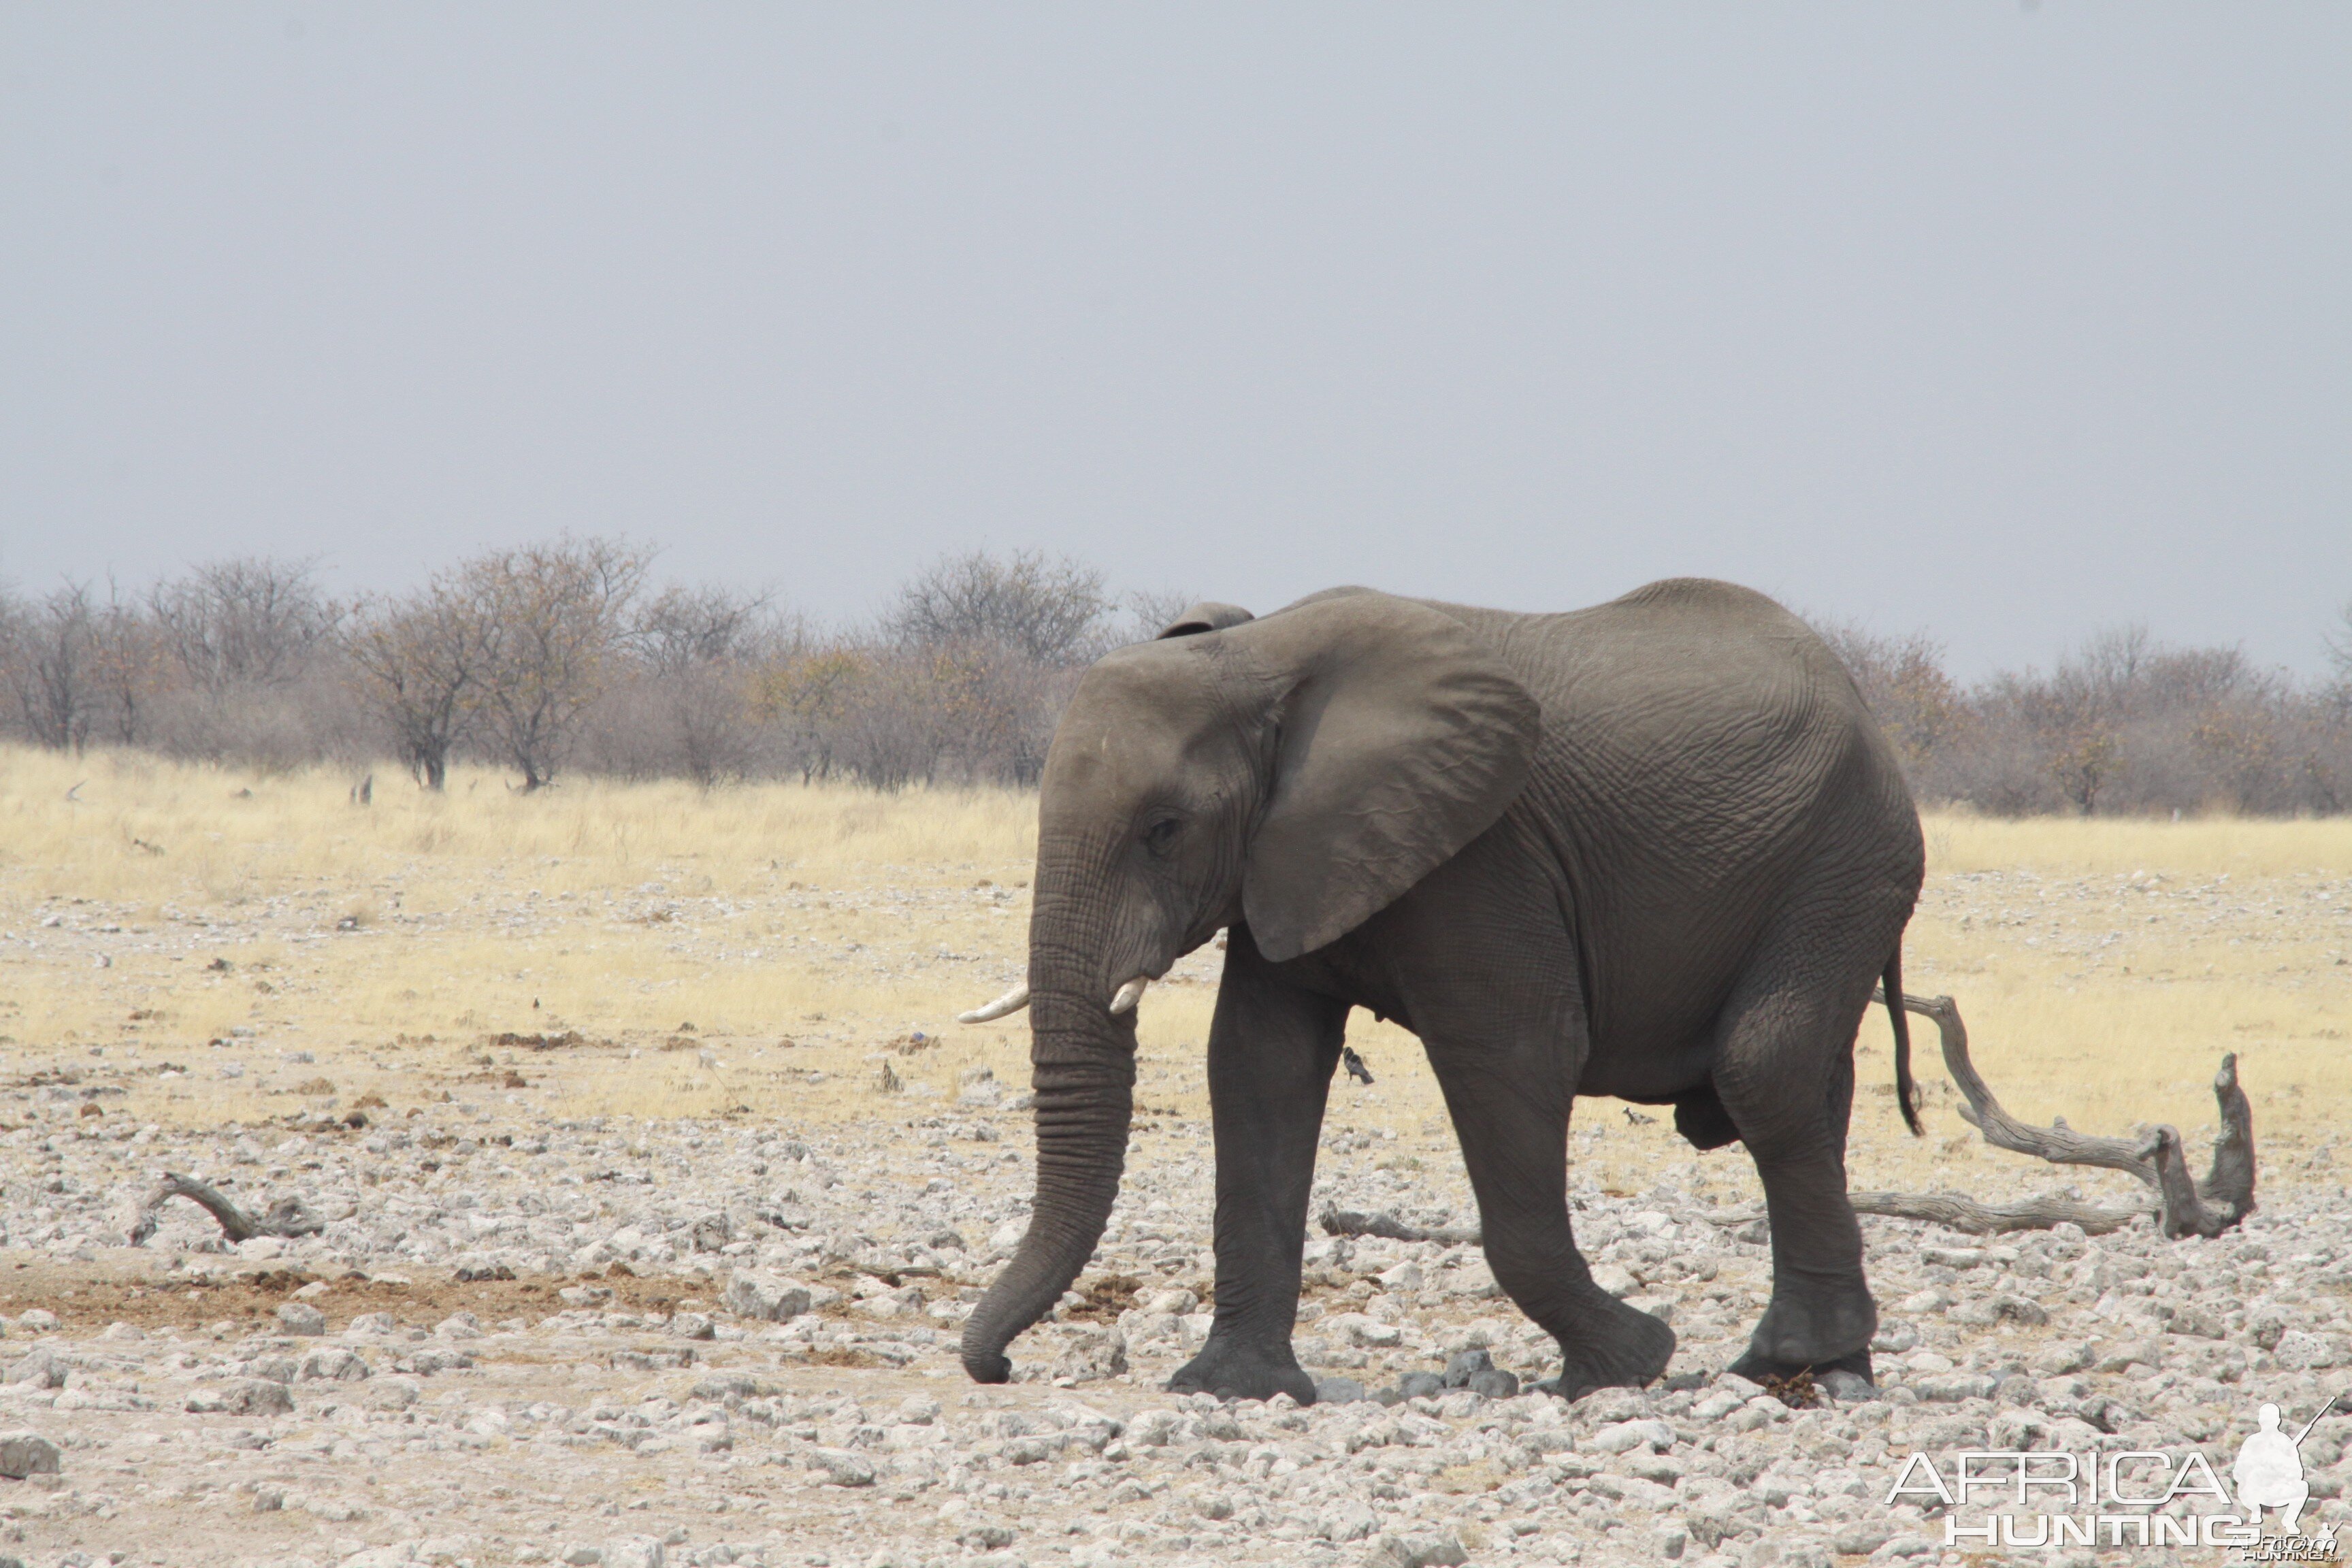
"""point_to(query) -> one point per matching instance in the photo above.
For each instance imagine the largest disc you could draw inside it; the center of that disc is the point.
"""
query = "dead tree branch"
(2227, 1193)
(1338, 1221)
(286, 1217)
(2155, 1158)
(2057, 1142)
(1962, 1212)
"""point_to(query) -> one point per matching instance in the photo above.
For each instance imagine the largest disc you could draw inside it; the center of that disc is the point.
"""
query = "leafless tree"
(551, 618)
(681, 627)
(128, 668)
(50, 655)
(416, 662)
(1047, 610)
(808, 693)
(688, 701)
(248, 622)
(2337, 639)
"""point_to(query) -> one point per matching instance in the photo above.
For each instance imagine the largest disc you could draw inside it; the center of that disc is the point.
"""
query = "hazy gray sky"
(2008, 323)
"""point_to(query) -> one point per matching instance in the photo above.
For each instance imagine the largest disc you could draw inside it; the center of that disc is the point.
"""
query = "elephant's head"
(1298, 773)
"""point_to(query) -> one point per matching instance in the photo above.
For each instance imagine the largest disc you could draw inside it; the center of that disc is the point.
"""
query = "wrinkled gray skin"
(1656, 850)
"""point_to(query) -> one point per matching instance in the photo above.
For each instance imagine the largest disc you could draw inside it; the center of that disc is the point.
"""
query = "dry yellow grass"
(2103, 966)
(616, 911)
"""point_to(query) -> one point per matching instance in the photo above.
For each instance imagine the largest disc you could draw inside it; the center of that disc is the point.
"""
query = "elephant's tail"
(1905, 1090)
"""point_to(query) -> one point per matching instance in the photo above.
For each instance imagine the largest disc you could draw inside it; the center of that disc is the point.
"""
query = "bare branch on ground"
(1338, 1221)
(1963, 1213)
(2157, 1157)
(286, 1217)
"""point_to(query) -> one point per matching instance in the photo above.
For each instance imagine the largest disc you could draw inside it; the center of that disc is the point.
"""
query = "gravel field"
(718, 1343)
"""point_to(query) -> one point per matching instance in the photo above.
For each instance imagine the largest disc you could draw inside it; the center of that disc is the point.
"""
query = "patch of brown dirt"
(1106, 1298)
(564, 1041)
(87, 1297)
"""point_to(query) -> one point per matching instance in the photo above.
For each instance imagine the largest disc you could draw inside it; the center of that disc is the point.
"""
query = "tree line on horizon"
(567, 656)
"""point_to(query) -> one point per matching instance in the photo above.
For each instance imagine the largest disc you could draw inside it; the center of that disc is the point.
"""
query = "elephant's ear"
(1208, 615)
(1400, 738)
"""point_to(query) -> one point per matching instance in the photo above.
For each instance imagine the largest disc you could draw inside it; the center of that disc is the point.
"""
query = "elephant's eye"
(1160, 836)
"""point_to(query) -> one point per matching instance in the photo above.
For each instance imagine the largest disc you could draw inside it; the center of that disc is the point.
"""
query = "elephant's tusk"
(1130, 994)
(1012, 1001)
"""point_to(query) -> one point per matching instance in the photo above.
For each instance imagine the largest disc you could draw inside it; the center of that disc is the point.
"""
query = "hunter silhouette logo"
(2128, 1497)
(2269, 1471)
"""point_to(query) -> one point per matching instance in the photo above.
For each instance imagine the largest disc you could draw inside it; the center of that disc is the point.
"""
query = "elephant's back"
(1704, 757)
(1703, 688)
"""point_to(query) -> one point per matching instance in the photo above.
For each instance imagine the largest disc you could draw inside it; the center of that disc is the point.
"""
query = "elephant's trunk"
(1083, 1074)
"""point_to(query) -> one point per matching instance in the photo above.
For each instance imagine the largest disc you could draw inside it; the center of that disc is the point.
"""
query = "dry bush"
(415, 663)
(553, 658)
(1048, 612)
(550, 619)
(245, 623)
(686, 701)
(556, 658)
(49, 650)
(2124, 725)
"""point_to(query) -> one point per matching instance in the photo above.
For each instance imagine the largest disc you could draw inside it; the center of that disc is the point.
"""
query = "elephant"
(1656, 850)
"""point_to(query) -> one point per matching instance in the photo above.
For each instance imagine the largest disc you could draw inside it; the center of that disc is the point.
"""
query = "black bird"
(1637, 1119)
(1355, 1065)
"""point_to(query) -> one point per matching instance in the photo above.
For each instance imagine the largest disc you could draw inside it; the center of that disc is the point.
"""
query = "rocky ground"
(720, 1342)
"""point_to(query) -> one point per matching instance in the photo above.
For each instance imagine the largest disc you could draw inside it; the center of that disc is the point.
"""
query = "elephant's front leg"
(1272, 1048)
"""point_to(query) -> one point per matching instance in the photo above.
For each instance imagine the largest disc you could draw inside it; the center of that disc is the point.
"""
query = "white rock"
(634, 1552)
(26, 1453)
(1367, 1332)
(1618, 1282)
(1347, 1521)
(333, 1365)
(1154, 1428)
(243, 1396)
(764, 1297)
(842, 1466)
(391, 1394)
(301, 1317)
(1416, 1550)
(1624, 1436)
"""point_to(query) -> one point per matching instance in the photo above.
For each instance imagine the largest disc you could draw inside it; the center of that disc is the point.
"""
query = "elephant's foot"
(1826, 1330)
(1847, 1377)
(1613, 1346)
(1230, 1369)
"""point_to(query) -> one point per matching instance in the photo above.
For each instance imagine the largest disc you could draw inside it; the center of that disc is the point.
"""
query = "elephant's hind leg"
(1784, 1072)
(1510, 1112)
